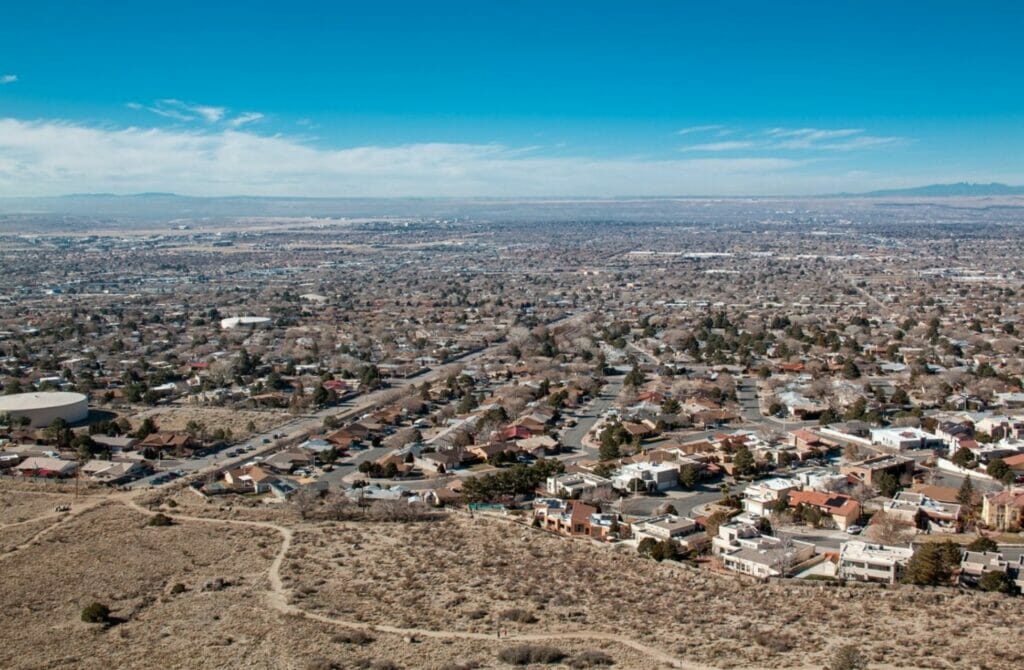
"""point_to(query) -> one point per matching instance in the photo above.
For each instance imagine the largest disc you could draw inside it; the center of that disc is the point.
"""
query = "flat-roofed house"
(865, 562)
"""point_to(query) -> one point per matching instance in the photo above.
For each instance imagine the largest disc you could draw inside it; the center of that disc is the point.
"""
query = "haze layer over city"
(539, 335)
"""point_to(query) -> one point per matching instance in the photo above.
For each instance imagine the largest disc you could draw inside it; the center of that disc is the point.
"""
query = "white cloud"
(8, 78)
(797, 139)
(54, 157)
(700, 129)
(173, 108)
(838, 139)
(171, 114)
(209, 113)
(814, 134)
(720, 146)
(242, 119)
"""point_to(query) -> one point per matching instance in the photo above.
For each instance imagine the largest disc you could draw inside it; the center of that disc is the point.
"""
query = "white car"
(854, 530)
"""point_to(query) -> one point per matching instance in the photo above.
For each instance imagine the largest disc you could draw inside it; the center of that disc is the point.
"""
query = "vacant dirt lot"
(176, 417)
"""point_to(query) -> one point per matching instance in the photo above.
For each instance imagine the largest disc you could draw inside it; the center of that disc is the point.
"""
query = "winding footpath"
(278, 594)
(277, 598)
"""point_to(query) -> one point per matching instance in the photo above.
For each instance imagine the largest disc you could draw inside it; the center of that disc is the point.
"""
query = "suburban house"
(179, 444)
(843, 510)
(743, 549)
(573, 518)
(954, 431)
(115, 444)
(441, 461)
(902, 439)
(684, 531)
(1002, 511)
(113, 472)
(538, 446)
(44, 466)
(644, 476)
(945, 494)
(807, 442)
(1016, 463)
(1001, 426)
(974, 565)
(869, 469)
(866, 562)
(255, 479)
(761, 497)
(578, 485)
(924, 513)
(532, 424)
(485, 452)
(287, 461)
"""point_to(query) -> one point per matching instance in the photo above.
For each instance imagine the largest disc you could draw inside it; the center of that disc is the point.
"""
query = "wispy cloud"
(700, 129)
(8, 78)
(720, 146)
(800, 139)
(209, 113)
(242, 119)
(172, 108)
(55, 157)
(814, 134)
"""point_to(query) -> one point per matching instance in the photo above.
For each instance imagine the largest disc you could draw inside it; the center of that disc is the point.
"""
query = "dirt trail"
(58, 517)
(277, 597)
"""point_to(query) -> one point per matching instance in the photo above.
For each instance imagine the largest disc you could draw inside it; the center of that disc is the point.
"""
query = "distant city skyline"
(528, 99)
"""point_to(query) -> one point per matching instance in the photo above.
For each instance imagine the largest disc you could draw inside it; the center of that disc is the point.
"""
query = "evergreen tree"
(965, 495)
(932, 564)
(743, 461)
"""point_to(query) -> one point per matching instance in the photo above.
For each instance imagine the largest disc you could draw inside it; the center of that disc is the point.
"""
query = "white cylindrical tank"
(43, 407)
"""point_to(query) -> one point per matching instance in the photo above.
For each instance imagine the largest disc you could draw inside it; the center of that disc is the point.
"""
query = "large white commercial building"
(243, 322)
(43, 407)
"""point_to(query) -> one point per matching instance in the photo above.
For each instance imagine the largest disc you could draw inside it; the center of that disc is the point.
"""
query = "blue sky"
(508, 98)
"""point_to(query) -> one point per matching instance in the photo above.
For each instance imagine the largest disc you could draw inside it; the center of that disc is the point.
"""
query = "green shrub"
(160, 520)
(96, 613)
(847, 658)
(354, 636)
(592, 658)
(526, 654)
(518, 616)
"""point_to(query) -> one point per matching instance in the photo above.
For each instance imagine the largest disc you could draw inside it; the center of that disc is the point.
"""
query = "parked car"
(854, 530)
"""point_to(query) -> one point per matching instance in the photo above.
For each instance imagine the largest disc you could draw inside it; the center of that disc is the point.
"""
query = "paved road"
(572, 438)
(746, 395)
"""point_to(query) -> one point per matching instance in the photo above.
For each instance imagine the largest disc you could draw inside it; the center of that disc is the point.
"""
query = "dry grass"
(456, 574)
(176, 417)
(17, 505)
(480, 575)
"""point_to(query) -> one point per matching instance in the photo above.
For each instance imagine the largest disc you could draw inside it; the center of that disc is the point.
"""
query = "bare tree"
(890, 529)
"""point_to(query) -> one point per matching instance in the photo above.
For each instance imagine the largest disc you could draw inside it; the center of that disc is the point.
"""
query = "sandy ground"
(429, 595)
(176, 417)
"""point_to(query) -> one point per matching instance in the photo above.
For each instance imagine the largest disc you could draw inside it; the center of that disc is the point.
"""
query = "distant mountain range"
(945, 191)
